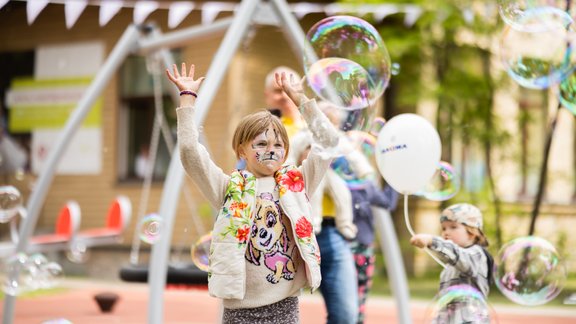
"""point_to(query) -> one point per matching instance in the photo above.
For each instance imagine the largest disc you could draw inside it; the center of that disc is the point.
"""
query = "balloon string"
(407, 221)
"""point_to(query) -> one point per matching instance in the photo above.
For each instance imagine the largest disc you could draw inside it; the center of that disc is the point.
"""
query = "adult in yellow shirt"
(276, 99)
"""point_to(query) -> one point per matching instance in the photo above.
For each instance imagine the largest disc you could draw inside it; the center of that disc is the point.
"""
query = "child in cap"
(462, 249)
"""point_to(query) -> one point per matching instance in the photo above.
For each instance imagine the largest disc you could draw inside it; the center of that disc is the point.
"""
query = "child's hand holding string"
(291, 87)
(421, 240)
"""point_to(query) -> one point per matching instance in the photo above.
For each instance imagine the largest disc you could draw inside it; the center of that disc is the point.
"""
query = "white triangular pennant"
(301, 9)
(2, 3)
(109, 9)
(412, 14)
(210, 10)
(72, 10)
(34, 8)
(384, 11)
(143, 9)
(177, 12)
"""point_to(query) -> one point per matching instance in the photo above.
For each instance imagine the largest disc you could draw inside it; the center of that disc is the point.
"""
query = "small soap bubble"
(150, 228)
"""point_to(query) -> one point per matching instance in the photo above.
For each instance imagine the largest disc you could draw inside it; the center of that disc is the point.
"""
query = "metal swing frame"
(132, 42)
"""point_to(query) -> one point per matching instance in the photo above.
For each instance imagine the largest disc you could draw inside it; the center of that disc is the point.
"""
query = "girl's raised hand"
(293, 88)
(184, 81)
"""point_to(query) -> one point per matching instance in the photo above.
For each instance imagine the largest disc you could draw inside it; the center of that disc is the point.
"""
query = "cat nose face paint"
(266, 153)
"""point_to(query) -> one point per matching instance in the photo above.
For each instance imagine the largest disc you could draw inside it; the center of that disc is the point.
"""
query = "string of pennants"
(179, 10)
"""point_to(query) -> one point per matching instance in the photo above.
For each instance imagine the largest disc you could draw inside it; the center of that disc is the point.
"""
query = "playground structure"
(249, 11)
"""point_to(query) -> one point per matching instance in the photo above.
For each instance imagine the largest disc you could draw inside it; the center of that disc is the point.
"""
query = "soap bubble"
(10, 203)
(539, 55)
(528, 271)
(444, 184)
(150, 228)
(201, 252)
(353, 49)
(460, 304)
(513, 12)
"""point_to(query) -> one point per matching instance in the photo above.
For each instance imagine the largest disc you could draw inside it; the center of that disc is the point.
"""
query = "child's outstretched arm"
(324, 134)
(323, 131)
(470, 261)
(195, 159)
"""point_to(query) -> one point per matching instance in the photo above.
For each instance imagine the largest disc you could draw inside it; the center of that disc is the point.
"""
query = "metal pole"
(176, 38)
(125, 46)
(394, 263)
(160, 250)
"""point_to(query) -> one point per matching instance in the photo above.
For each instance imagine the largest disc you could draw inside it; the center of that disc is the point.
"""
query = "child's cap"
(463, 213)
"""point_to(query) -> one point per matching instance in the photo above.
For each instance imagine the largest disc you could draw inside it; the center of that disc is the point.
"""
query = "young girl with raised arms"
(263, 249)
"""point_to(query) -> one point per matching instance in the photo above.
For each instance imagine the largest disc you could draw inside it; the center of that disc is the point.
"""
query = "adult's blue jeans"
(339, 286)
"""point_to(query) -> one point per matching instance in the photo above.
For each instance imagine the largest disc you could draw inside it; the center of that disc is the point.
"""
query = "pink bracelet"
(188, 92)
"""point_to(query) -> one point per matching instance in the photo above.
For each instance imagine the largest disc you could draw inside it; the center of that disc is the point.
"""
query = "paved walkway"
(77, 305)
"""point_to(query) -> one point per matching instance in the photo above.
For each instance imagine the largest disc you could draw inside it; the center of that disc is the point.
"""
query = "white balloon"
(408, 152)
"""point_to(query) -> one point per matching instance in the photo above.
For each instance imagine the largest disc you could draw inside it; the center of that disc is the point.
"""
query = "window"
(136, 120)
(13, 65)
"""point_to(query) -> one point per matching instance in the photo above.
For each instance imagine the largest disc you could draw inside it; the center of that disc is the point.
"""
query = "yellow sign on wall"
(48, 103)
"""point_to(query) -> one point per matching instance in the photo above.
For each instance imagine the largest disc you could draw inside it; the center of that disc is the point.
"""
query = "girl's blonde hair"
(479, 237)
(253, 125)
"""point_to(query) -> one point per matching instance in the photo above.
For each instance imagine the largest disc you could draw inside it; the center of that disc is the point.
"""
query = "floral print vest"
(227, 274)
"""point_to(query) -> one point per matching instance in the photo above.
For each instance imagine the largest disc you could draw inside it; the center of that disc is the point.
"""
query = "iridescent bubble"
(460, 304)
(445, 183)
(513, 12)
(363, 141)
(528, 271)
(13, 284)
(78, 252)
(346, 121)
(355, 40)
(567, 93)
(200, 252)
(10, 202)
(43, 274)
(539, 55)
(344, 83)
(150, 228)
(57, 321)
(377, 125)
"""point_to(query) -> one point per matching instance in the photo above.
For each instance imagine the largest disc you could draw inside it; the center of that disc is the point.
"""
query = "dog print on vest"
(269, 241)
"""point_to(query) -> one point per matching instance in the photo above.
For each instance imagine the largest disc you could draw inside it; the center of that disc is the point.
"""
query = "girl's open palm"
(292, 87)
(184, 81)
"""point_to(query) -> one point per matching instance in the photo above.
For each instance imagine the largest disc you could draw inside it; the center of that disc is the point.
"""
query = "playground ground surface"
(74, 301)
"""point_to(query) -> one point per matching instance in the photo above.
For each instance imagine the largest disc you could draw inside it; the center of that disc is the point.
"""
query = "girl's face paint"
(265, 154)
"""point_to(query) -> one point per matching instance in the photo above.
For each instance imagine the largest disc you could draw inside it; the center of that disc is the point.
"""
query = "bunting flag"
(109, 9)
(179, 10)
(143, 9)
(73, 9)
(210, 10)
(34, 8)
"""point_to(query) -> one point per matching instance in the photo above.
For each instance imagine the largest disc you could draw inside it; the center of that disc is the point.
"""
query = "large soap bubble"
(514, 11)
(537, 55)
(445, 183)
(528, 271)
(567, 93)
(353, 48)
